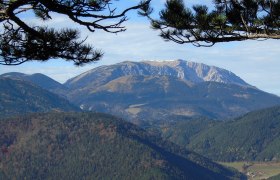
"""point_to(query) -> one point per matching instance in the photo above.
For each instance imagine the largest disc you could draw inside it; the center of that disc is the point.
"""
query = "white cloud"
(255, 61)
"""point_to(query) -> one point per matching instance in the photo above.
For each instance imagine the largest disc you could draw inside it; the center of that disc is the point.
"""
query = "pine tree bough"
(228, 20)
(21, 42)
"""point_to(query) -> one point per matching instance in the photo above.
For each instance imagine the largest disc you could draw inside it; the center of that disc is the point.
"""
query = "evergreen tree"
(21, 42)
(226, 21)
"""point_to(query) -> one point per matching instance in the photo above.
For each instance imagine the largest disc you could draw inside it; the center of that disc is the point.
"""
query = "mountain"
(190, 71)
(94, 146)
(252, 137)
(40, 80)
(150, 90)
(19, 97)
(153, 91)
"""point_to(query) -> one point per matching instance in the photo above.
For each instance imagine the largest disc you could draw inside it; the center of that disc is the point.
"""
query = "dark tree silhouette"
(228, 20)
(21, 42)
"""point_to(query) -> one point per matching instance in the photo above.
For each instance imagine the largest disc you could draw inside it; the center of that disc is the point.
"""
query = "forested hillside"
(253, 137)
(94, 146)
(21, 97)
(275, 177)
(40, 80)
(181, 131)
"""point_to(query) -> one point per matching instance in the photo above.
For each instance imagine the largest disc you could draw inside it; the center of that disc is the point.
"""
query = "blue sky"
(257, 62)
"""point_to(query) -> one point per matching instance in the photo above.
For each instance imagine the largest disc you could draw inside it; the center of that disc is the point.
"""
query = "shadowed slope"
(94, 146)
(19, 97)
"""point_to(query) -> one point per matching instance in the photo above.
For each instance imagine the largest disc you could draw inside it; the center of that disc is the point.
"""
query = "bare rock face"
(190, 71)
(157, 90)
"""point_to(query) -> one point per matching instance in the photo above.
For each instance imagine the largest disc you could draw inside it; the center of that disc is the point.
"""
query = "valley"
(163, 89)
(161, 120)
(93, 146)
(252, 137)
(256, 170)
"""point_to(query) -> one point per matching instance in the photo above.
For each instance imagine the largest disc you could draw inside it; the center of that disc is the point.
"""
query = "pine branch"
(20, 42)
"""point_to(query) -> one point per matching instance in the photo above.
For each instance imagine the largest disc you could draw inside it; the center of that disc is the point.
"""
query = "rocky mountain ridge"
(190, 71)
(157, 90)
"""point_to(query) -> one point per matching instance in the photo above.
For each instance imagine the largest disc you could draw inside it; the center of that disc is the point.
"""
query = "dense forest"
(274, 177)
(19, 97)
(252, 137)
(94, 146)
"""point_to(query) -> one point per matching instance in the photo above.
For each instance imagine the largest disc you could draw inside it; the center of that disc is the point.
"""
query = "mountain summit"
(40, 80)
(18, 97)
(185, 70)
(197, 72)
(155, 90)
(158, 90)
